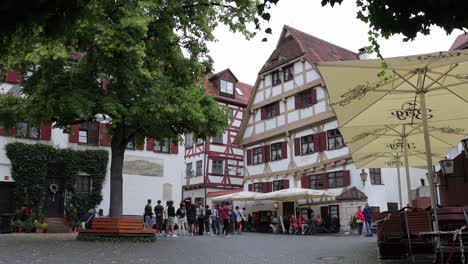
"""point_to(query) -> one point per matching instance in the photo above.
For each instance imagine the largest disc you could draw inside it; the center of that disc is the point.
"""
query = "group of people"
(298, 224)
(364, 215)
(194, 220)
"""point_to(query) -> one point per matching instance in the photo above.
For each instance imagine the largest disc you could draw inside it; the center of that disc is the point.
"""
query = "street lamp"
(363, 177)
(465, 146)
(447, 166)
(276, 205)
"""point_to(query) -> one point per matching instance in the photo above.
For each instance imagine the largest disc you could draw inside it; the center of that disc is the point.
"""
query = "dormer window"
(226, 88)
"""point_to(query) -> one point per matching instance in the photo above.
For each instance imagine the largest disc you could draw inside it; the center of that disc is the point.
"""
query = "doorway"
(288, 209)
(7, 198)
(55, 190)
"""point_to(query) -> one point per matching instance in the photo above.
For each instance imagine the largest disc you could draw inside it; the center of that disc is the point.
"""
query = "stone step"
(57, 225)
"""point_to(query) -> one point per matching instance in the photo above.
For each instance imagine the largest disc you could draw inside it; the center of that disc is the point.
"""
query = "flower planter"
(39, 230)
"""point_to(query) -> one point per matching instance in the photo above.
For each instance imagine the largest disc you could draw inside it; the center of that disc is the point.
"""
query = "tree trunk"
(116, 179)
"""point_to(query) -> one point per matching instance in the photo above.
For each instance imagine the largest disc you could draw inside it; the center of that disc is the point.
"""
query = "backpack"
(208, 213)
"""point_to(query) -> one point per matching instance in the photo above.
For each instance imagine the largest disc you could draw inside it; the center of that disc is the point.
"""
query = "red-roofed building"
(217, 164)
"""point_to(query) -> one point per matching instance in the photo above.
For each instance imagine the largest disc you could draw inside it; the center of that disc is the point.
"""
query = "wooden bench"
(117, 227)
(389, 235)
(415, 221)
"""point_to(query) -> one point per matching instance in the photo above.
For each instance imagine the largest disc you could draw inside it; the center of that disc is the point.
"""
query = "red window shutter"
(46, 131)
(346, 178)
(323, 141)
(305, 182)
(325, 180)
(150, 144)
(269, 187)
(277, 108)
(317, 143)
(250, 187)
(264, 187)
(284, 150)
(297, 146)
(297, 101)
(249, 157)
(263, 113)
(12, 132)
(103, 140)
(73, 136)
(313, 95)
(12, 77)
(174, 148)
(286, 184)
(266, 153)
(2, 131)
(104, 85)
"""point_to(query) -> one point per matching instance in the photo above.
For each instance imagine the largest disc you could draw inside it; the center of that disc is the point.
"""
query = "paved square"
(246, 248)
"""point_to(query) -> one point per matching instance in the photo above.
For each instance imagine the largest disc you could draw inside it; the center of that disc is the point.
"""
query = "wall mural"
(143, 166)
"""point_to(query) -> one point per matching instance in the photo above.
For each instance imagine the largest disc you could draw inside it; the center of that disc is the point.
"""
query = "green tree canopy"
(137, 48)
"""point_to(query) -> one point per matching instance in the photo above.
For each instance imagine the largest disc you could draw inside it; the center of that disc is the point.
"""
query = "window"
(217, 167)
(25, 130)
(218, 139)
(199, 168)
(258, 187)
(257, 154)
(199, 141)
(83, 183)
(276, 151)
(335, 179)
(189, 139)
(288, 73)
(275, 78)
(392, 207)
(316, 181)
(89, 133)
(189, 170)
(83, 136)
(278, 185)
(226, 87)
(307, 144)
(162, 146)
(375, 176)
(335, 140)
(306, 99)
(270, 111)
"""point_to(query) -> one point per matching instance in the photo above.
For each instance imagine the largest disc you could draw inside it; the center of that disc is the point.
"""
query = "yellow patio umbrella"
(413, 90)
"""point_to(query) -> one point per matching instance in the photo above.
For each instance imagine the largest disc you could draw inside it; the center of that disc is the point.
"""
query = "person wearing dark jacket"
(208, 213)
(192, 219)
(181, 220)
(367, 212)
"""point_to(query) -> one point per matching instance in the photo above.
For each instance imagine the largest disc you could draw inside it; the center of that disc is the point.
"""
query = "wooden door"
(324, 212)
(55, 203)
(7, 197)
(288, 209)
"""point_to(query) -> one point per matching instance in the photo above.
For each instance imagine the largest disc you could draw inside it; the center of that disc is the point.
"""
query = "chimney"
(363, 54)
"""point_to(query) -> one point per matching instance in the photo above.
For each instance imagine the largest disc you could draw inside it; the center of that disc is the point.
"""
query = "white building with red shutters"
(216, 164)
(290, 137)
(163, 181)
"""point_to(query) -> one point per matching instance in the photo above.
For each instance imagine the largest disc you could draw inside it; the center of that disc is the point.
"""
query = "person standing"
(226, 212)
(159, 212)
(148, 215)
(192, 218)
(244, 220)
(232, 221)
(201, 219)
(359, 220)
(215, 221)
(208, 214)
(171, 214)
(181, 220)
(239, 219)
(367, 212)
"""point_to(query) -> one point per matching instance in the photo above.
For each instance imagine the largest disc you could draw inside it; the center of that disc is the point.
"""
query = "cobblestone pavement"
(245, 249)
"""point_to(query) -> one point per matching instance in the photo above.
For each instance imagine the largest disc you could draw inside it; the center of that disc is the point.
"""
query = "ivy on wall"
(32, 163)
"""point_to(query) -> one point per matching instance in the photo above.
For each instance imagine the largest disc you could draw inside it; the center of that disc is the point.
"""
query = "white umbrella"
(238, 196)
(292, 194)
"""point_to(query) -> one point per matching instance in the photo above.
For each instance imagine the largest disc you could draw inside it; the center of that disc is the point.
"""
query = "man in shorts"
(181, 219)
(171, 214)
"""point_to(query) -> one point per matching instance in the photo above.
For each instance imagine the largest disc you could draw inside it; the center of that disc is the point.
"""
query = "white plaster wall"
(289, 85)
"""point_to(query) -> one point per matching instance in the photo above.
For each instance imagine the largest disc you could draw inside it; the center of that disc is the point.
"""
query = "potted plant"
(18, 226)
(353, 224)
(44, 227)
(28, 226)
(38, 227)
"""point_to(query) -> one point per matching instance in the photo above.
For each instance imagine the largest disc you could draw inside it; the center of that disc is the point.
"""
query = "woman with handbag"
(359, 220)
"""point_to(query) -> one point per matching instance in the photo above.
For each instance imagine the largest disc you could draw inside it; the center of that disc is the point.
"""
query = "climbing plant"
(32, 163)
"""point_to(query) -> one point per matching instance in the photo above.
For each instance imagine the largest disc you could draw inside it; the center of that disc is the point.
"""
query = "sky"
(337, 25)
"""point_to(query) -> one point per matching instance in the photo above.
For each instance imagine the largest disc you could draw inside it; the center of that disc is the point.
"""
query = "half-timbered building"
(216, 164)
(290, 137)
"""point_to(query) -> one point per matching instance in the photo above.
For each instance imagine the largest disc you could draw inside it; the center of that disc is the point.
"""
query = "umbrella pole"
(430, 173)
(408, 181)
(399, 180)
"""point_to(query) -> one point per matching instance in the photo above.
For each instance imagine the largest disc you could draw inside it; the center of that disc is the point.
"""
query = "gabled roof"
(246, 89)
(315, 49)
(461, 42)
(352, 193)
